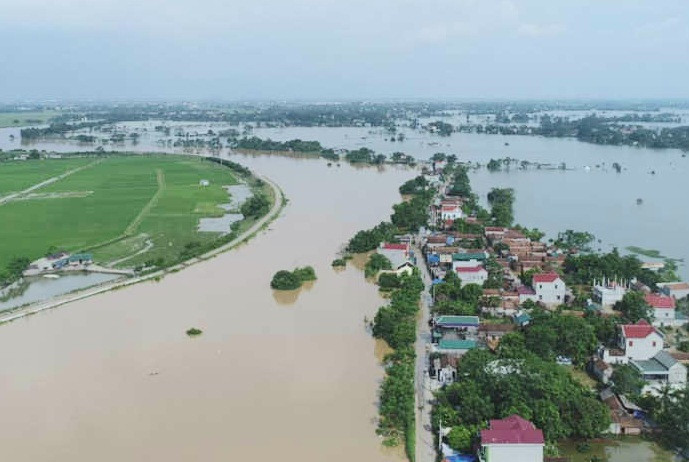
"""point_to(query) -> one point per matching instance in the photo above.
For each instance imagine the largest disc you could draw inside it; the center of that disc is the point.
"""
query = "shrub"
(285, 280)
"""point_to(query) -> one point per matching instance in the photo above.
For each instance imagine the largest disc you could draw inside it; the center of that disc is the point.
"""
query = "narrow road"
(425, 446)
(160, 179)
(11, 197)
(86, 293)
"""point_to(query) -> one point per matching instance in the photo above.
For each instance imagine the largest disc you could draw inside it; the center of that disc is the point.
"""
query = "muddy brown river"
(289, 377)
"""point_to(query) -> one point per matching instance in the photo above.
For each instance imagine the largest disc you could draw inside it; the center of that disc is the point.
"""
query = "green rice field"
(114, 207)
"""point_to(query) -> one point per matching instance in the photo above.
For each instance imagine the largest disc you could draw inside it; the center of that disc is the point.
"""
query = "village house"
(664, 313)
(513, 439)
(454, 335)
(444, 368)
(398, 254)
(607, 293)
(660, 370)
(450, 212)
(494, 233)
(550, 289)
(468, 259)
(640, 341)
(472, 275)
(59, 261)
(526, 293)
(677, 290)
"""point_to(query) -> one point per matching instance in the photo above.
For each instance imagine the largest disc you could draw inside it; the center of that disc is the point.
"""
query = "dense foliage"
(550, 335)
(575, 240)
(452, 298)
(290, 280)
(671, 412)
(634, 307)
(501, 201)
(369, 239)
(396, 324)
(583, 269)
(364, 156)
(413, 214)
(375, 264)
(256, 206)
(498, 386)
(13, 271)
(414, 186)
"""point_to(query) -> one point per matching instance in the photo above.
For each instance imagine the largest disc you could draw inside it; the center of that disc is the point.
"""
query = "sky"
(341, 50)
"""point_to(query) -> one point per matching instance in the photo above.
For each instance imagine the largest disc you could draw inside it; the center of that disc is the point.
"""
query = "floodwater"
(115, 377)
(41, 288)
(239, 193)
(589, 196)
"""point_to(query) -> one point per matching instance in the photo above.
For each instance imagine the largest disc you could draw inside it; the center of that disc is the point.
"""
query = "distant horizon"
(333, 101)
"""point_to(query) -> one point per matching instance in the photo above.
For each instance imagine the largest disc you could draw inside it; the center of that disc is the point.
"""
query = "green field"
(20, 119)
(114, 208)
(18, 175)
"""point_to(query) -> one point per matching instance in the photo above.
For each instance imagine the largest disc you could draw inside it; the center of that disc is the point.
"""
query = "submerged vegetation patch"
(291, 280)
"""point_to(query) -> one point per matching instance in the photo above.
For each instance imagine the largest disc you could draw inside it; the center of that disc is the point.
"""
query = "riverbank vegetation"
(501, 202)
(396, 324)
(312, 148)
(375, 264)
(292, 280)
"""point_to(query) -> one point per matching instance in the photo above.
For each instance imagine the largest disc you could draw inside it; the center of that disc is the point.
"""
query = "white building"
(513, 439)
(398, 254)
(640, 342)
(664, 312)
(472, 274)
(450, 212)
(550, 289)
(678, 290)
(607, 293)
(660, 370)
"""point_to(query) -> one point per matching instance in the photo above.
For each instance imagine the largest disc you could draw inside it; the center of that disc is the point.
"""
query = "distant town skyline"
(355, 50)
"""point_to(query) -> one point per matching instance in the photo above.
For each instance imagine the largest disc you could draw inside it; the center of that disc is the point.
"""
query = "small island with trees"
(292, 280)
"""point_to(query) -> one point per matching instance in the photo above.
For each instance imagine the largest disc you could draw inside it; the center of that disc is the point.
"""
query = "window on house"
(631, 343)
(556, 286)
(654, 343)
(540, 297)
(558, 297)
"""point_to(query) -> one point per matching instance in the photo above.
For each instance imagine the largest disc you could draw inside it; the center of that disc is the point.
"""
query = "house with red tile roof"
(472, 274)
(550, 288)
(664, 313)
(640, 341)
(513, 439)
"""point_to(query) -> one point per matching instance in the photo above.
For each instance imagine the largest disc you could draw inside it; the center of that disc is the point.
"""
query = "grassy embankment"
(124, 204)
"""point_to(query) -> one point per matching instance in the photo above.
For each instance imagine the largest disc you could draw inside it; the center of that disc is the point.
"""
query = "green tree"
(634, 307)
(627, 380)
(285, 280)
(461, 438)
